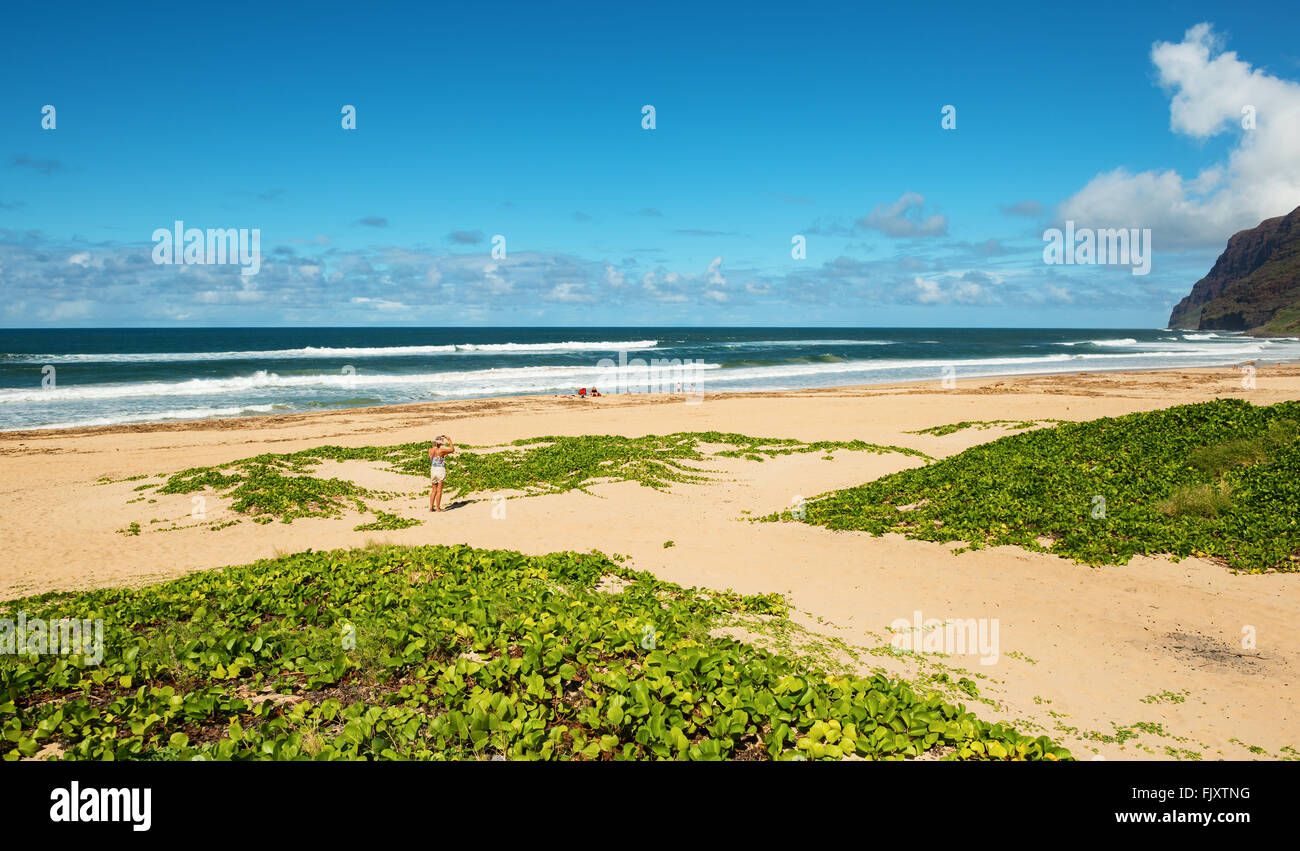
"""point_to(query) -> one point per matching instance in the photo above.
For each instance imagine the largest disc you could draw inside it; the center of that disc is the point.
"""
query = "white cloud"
(570, 293)
(79, 309)
(1056, 293)
(962, 290)
(652, 289)
(379, 303)
(678, 287)
(1259, 180)
(714, 273)
(495, 283)
(905, 218)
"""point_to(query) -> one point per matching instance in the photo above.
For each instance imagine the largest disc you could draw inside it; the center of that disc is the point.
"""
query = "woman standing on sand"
(442, 447)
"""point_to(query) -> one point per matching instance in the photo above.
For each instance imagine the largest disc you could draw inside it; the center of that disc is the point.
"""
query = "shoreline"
(1084, 650)
(301, 417)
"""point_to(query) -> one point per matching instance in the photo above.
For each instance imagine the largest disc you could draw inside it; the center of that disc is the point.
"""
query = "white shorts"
(438, 474)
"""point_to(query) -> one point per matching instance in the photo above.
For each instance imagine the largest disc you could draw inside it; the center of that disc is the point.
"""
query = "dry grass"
(1203, 500)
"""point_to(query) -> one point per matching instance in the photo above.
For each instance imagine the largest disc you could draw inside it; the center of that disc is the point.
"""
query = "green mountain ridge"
(1253, 287)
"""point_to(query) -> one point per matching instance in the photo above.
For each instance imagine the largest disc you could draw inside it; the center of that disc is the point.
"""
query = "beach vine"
(389, 652)
(285, 486)
(1216, 479)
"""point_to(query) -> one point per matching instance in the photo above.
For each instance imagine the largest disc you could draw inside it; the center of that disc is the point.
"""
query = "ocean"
(87, 377)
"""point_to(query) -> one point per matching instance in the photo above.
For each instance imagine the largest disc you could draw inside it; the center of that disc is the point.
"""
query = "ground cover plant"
(1219, 479)
(284, 487)
(950, 428)
(452, 653)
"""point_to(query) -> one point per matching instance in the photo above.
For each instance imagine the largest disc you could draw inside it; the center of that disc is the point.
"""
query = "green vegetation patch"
(383, 520)
(558, 464)
(283, 487)
(941, 430)
(1219, 479)
(452, 653)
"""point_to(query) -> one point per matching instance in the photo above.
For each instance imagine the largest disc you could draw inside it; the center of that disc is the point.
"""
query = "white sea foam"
(1126, 341)
(163, 416)
(476, 382)
(306, 386)
(775, 343)
(324, 352)
(261, 385)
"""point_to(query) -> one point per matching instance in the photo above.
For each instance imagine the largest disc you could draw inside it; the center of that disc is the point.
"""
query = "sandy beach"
(1152, 648)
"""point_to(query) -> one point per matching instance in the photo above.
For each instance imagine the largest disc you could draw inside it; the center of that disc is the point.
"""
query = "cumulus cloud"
(716, 281)
(676, 288)
(614, 277)
(908, 281)
(50, 281)
(968, 289)
(1212, 92)
(714, 273)
(906, 217)
(66, 310)
(374, 222)
(1057, 293)
(571, 292)
(379, 303)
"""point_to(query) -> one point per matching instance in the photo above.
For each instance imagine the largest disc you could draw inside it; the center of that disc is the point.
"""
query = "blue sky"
(525, 120)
